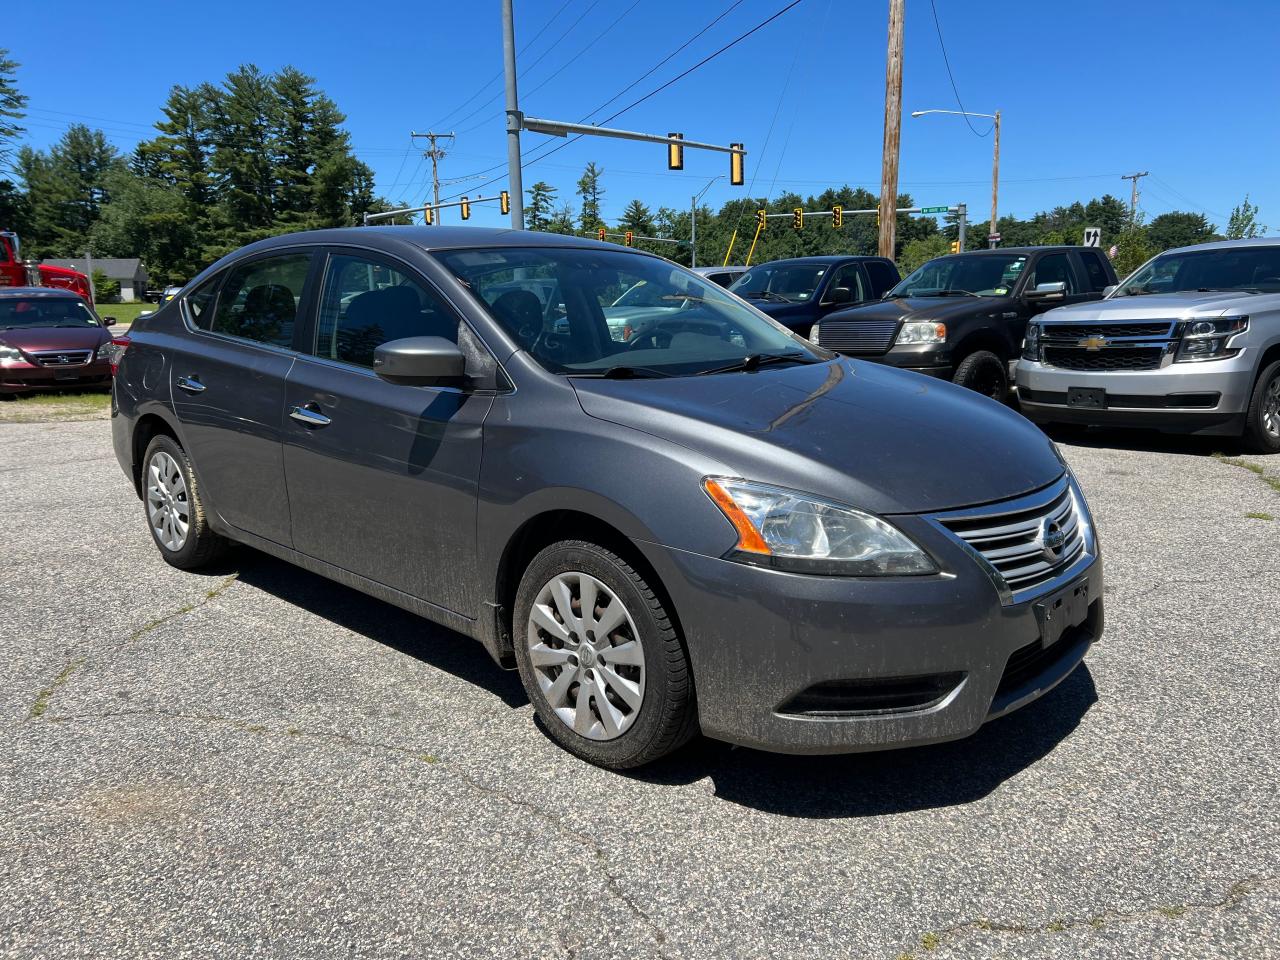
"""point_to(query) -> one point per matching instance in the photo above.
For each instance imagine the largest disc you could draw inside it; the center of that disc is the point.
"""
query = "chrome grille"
(1112, 358)
(62, 358)
(1158, 330)
(1017, 538)
(857, 336)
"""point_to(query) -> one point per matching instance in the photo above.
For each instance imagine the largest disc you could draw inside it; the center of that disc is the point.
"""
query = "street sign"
(1093, 236)
(993, 236)
(934, 209)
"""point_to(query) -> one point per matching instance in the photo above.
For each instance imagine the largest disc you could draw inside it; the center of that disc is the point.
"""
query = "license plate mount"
(1088, 398)
(1063, 610)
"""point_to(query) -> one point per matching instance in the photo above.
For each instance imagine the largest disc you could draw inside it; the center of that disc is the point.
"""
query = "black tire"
(985, 373)
(201, 545)
(667, 716)
(1262, 406)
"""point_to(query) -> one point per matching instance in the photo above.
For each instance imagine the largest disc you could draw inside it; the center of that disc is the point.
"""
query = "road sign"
(1093, 236)
(993, 236)
(934, 209)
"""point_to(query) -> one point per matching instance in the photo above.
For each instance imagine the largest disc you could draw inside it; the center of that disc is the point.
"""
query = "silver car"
(1189, 343)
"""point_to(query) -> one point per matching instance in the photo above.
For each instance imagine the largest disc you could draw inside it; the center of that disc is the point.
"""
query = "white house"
(128, 272)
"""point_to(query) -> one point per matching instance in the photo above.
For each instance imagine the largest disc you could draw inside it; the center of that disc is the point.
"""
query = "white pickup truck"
(1189, 343)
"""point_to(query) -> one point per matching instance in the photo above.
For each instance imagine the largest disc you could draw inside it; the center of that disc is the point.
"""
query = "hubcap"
(586, 655)
(167, 505)
(1271, 407)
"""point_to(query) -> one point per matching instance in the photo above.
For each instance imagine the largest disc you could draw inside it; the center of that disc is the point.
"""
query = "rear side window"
(882, 276)
(260, 300)
(200, 303)
(1095, 269)
(367, 303)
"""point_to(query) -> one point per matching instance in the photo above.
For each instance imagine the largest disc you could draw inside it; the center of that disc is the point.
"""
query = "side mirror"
(1047, 291)
(419, 361)
(144, 313)
(1109, 289)
(838, 295)
(108, 321)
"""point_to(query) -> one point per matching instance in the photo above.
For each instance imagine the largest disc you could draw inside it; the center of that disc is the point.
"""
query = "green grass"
(125, 313)
(1258, 516)
(57, 405)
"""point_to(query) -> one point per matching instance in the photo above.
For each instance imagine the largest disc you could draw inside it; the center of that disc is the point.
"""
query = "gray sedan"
(717, 526)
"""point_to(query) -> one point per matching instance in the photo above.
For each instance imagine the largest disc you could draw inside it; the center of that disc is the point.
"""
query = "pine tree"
(243, 121)
(537, 212)
(591, 192)
(637, 219)
(12, 106)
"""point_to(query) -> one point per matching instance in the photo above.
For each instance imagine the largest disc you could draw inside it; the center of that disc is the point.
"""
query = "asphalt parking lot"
(258, 762)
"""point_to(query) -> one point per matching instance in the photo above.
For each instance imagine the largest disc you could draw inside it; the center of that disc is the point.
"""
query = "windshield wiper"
(1227, 290)
(766, 295)
(623, 373)
(757, 360)
(946, 293)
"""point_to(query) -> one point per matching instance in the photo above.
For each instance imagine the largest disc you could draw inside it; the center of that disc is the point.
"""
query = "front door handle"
(191, 384)
(308, 414)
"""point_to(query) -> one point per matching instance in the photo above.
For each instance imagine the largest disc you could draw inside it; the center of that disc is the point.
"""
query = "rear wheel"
(985, 373)
(600, 659)
(1262, 422)
(174, 512)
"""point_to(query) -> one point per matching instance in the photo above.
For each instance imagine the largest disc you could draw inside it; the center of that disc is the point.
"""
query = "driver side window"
(1053, 268)
(850, 278)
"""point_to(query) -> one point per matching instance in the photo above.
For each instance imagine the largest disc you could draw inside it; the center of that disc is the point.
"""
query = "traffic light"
(504, 201)
(837, 216)
(736, 171)
(428, 216)
(600, 234)
(797, 218)
(627, 238)
(762, 219)
(955, 246)
(675, 153)
(466, 209)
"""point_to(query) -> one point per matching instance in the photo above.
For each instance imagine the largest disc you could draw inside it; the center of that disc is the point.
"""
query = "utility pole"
(892, 129)
(436, 155)
(1133, 198)
(515, 183)
(992, 233)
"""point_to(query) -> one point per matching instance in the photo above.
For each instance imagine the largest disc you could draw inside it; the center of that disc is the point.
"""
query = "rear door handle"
(191, 384)
(308, 414)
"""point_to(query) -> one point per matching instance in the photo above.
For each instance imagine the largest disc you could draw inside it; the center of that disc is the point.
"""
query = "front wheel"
(600, 659)
(985, 373)
(1262, 422)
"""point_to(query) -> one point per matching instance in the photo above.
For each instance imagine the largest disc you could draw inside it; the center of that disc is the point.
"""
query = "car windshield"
(986, 275)
(1231, 268)
(795, 282)
(45, 312)
(561, 304)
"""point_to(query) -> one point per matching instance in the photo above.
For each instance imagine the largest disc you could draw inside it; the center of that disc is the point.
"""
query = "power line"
(951, 76)
(1185, 199)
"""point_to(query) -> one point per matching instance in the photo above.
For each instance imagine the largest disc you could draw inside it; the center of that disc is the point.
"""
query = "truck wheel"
(985, 373)
(1262, 422)
(600, 659)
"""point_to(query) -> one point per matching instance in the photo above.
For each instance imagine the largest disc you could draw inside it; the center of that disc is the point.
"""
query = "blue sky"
(1088, 90)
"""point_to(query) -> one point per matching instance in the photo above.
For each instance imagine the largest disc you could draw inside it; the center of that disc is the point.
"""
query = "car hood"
(782, 311)
(917, 308)
(55, 338)
(1210, 303)
(881, 439)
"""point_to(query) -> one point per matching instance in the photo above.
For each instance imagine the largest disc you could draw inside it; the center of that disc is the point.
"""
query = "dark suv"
(800, 292)
(962, 317)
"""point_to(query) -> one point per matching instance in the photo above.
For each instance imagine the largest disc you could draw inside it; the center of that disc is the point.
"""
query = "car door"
(383, 478)
(227, 386)
(846, 276)
(1054, 267)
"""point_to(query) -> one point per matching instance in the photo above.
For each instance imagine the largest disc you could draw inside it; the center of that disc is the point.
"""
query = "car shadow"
(384, 623)
(887, 782)
(1150, 441)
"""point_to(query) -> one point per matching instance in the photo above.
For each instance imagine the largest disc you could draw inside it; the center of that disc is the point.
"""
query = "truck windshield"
(984, 275)
(560, 304)
(793, 282)
(45, 312)
(1231, 268)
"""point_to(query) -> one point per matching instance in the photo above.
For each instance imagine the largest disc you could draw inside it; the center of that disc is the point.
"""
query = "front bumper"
(761, 641)
(1209, 398)
(24, 377)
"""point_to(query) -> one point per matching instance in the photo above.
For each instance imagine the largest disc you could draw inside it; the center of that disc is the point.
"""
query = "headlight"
(8, 354)
(787, 530)
(815, 333)
(1031, 343)
(1207, 339)
(107, 351)
(920, 332)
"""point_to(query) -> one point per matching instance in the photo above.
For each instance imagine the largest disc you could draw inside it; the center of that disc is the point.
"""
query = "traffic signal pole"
(514, 181)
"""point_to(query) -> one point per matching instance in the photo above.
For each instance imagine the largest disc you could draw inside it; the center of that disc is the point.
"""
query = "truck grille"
(62, 358)
(1112, 358)
(1027, 541)
(1159, 330)
(858, 336)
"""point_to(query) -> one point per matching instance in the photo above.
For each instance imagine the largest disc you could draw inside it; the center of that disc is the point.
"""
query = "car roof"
(731, 268)
(437, 238)
(824, 258)
(52, 293)
(1022, 250)
(1227, 245)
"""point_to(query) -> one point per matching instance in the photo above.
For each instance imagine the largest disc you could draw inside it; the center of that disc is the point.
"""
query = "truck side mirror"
(838, 295)
(1109, 289)
(108, 321)
(1047, 291)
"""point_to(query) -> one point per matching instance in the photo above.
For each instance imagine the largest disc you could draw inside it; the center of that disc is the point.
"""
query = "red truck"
(15, 273)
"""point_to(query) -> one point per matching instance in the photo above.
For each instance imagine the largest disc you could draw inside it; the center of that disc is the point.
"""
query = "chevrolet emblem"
(1092, 343)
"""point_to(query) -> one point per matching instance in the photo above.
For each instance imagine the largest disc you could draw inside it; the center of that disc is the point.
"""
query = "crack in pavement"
(43, 698)
(1194, 581)
(1236, 892)
(601, 861)
(209, 596)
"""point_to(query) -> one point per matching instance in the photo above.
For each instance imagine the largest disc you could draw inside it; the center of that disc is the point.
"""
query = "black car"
(800, 292)
(962, 317)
